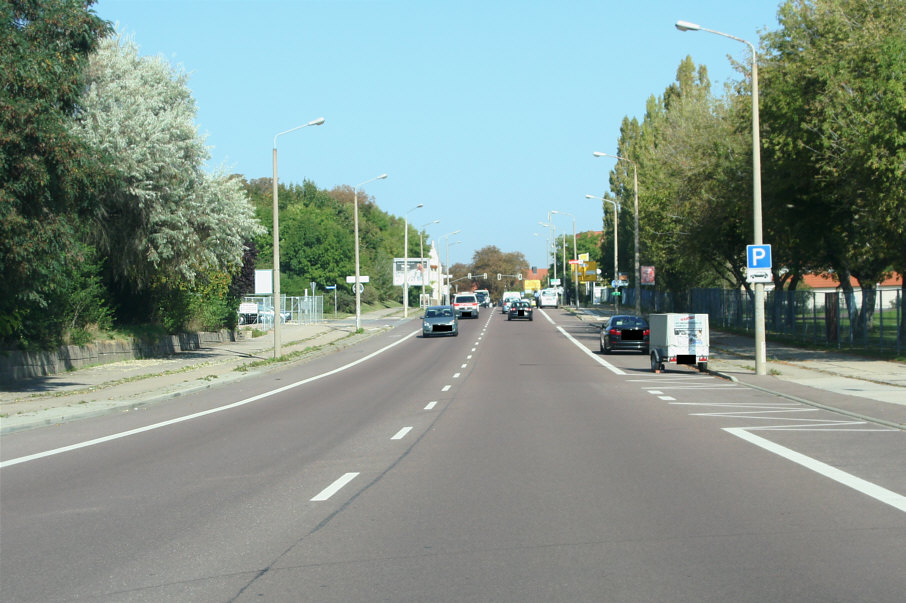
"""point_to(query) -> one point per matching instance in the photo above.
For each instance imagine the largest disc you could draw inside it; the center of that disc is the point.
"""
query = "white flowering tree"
(159, 217)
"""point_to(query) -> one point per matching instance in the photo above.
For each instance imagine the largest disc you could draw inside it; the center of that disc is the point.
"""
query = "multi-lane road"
(511, 463)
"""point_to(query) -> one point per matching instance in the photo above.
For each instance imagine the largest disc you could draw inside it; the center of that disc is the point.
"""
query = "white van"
(506, 298)
(549, 298)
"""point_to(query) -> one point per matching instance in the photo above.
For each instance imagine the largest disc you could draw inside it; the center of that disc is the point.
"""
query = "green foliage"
(45, 172)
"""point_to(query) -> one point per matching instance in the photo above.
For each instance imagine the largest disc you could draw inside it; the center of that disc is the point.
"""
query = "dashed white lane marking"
(469, 357)
(591, 354)
(431, 405)
(875, 491)
(473, 349)
(464, 366)
(335, 487)
(401, 433)
(666, 397)
(655, 391)
(131, 432)
(456, 375)
(445, 388)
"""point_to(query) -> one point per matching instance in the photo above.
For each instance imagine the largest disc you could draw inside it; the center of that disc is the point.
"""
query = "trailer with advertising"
(679, 339)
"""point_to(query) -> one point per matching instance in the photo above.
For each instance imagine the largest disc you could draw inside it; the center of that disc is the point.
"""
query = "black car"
(519, 308)
(625, 332)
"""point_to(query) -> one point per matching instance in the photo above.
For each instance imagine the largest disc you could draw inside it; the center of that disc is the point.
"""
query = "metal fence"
(807, 316)
(293, 309)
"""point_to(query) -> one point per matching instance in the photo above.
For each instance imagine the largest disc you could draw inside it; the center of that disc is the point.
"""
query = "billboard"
(418, 272)
(647, 275)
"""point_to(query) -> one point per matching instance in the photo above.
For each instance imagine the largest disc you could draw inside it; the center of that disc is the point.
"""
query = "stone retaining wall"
(15, 365)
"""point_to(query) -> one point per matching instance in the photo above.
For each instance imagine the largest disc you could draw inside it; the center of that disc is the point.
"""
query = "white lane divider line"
(469, 357)
(445, 388)
(473, 349)
(544, 314)
(655, 391)
(431, 405)
(335, 487)
(456, 375)
(666, 397)
(204, 413)
(897, 501)
(401, 433)
(591, 354)
(463, 366)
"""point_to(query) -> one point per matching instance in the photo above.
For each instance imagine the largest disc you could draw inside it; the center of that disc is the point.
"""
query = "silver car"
(440, 320)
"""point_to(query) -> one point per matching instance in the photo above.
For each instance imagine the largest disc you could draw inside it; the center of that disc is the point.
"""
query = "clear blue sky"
(487, 112)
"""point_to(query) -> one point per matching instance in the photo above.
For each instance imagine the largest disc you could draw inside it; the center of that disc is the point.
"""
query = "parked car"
(466, 304)
(520, 308)
(625, 332)
(440, 320)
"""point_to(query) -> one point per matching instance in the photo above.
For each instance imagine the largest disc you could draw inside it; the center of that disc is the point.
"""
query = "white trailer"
(678, 338)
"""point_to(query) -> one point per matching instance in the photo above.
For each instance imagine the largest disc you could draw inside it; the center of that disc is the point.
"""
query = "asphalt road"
(511, 463)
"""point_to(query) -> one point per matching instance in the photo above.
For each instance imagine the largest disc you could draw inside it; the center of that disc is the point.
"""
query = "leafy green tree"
(160, 221)
(836, 115)
(46, 173)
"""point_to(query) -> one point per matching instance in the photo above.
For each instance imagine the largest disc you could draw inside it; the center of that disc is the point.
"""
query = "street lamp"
(616, 248)
(406, 262)
(760, 347)
(635, 188)
(276, 275)
(575, 252)
(358, 293)
(446, 238)
(552, 233)
(421, 250)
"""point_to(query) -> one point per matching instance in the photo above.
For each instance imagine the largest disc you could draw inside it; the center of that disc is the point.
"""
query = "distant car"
(484, 298)
(548, 298)
(625, 332)
(507, 298)
(440, 320)
(520, 308)
(466, 305)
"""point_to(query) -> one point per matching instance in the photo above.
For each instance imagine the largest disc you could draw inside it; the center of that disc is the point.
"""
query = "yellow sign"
(530, 286)
(583, 257)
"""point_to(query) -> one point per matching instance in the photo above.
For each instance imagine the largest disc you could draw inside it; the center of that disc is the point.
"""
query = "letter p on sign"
(758, 256)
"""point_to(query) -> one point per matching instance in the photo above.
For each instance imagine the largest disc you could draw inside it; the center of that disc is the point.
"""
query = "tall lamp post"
(760, 347)
(446, 239)
(616, 247)
(358, 293)
(635, 187)
(421, 250)
(575, 252)
(406, 264)
(450, 275)
(276, 275)
(552, 235)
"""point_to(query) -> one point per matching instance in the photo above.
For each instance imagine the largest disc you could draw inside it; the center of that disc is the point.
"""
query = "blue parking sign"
(758, 256)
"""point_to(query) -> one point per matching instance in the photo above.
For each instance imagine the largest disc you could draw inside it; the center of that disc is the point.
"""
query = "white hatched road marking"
(875, 491)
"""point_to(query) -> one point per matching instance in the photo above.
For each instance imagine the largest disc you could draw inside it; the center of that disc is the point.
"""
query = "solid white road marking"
(544, 314)
(131, 432)
(431, 405)
(445, 388)
(456, 375)
(335, 487)
(401, 433)
(591, 354)
(875, 491)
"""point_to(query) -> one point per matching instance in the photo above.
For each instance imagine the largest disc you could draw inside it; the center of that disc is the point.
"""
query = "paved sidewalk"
(106, 388)
(873, 390)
